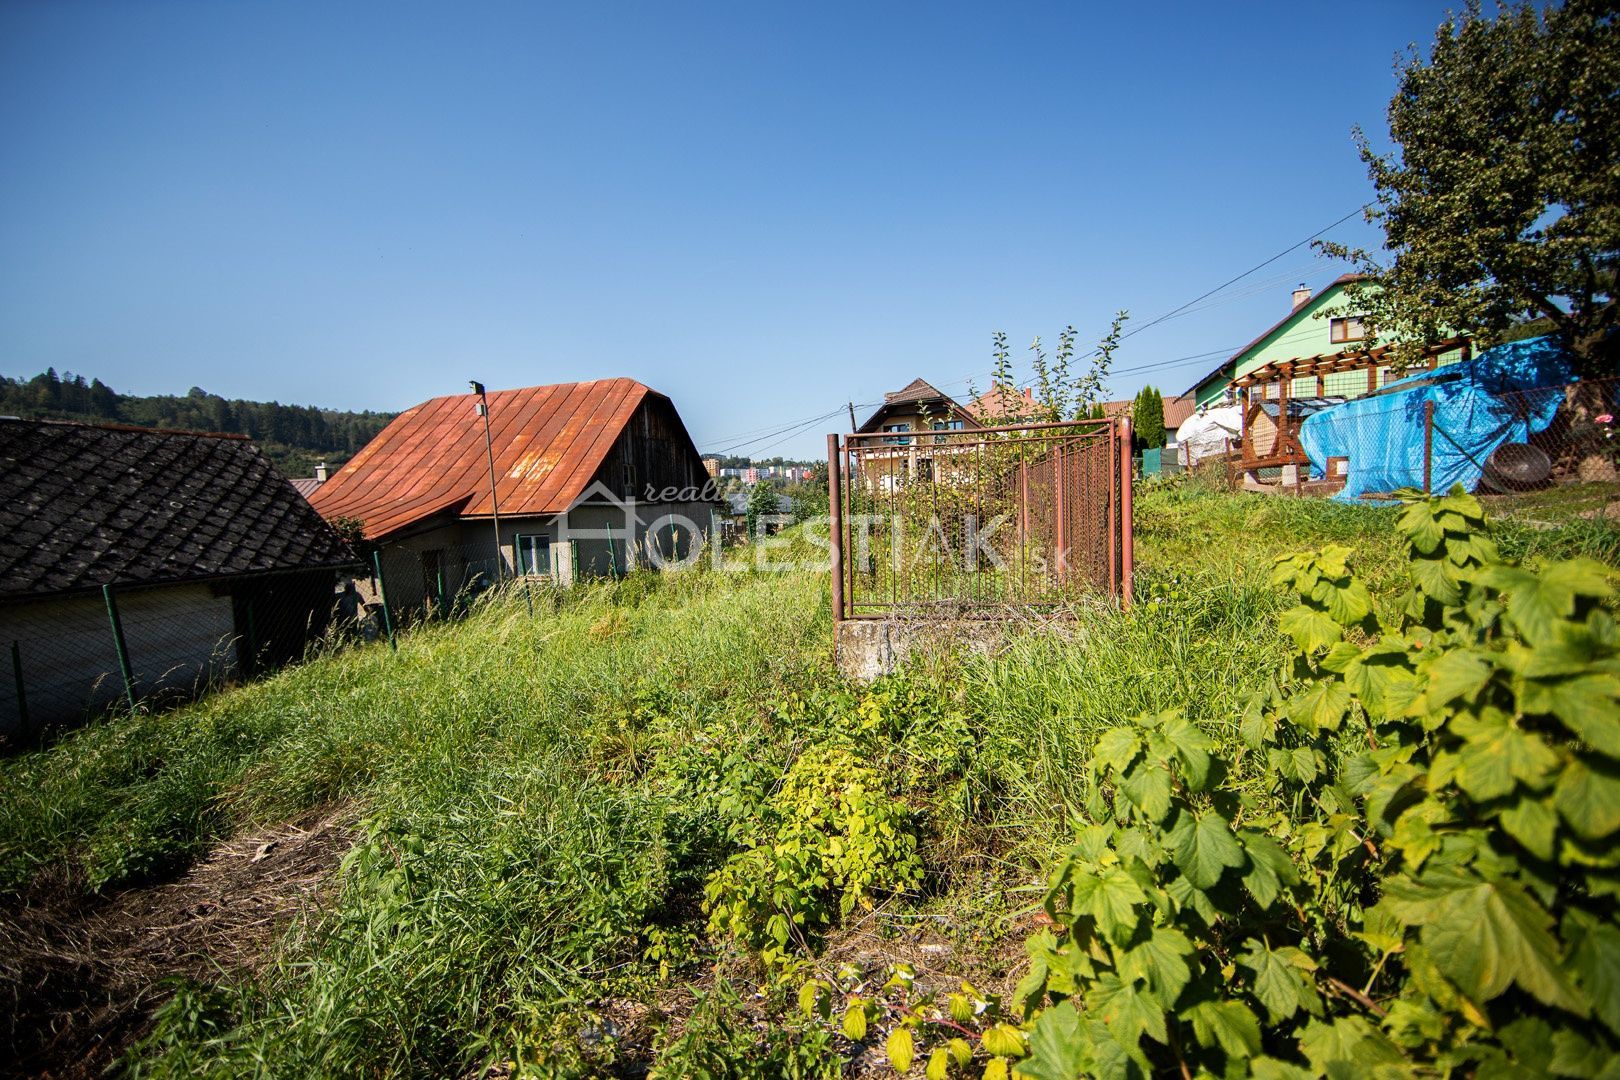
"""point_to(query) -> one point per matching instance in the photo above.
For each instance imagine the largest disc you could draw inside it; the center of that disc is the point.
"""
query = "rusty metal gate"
(977, 523)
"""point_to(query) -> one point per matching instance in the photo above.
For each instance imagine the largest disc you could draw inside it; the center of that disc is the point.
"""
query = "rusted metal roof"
(549, 442)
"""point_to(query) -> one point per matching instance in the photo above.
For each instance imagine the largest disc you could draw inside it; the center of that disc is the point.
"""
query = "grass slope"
(545, 796)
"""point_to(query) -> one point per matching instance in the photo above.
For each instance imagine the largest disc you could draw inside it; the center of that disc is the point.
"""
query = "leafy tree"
(1147, 418)
(1061, 392)
(1501, 202)
(761, 503)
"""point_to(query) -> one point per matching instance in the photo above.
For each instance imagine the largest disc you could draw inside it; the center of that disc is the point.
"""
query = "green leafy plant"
(833, 840)
(1438, 894)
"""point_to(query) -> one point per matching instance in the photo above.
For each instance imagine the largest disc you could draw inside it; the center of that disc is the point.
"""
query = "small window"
(897, 440)
(533, 553)
(946, 425)
(1346, 329)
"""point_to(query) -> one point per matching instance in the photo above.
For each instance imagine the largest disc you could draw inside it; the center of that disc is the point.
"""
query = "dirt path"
(80, 976)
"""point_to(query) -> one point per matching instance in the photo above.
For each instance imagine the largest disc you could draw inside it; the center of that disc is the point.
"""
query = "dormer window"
(1346, 329)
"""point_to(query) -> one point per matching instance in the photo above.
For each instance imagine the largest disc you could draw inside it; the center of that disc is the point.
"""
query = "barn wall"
(179, 638)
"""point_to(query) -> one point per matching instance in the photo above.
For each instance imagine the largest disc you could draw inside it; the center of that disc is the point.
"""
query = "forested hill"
(295, 437)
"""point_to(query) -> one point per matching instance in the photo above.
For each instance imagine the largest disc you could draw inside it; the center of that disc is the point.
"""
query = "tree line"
(294, 437)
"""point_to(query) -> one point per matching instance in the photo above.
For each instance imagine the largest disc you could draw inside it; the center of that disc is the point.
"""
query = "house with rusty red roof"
(585, 477)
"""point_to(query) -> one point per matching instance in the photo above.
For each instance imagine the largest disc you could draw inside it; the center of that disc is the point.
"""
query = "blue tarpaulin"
(1382, 435)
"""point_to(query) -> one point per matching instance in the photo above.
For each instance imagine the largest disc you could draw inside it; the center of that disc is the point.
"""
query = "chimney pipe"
(1301, 295)
(320, 472)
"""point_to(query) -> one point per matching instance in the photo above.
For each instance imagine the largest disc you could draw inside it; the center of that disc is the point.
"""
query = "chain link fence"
(1555, 446)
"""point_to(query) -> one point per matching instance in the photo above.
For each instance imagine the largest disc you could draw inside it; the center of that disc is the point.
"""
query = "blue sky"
(762, 210)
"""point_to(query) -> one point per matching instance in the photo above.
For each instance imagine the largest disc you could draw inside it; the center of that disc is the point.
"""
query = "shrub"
(832, 840)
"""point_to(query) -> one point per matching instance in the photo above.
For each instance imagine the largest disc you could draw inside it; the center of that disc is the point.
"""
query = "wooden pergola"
(1268, 443)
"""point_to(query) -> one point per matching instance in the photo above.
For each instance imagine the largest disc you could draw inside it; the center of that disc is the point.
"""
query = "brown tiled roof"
(549, 442)
(83, 506)
(1176, 409)
(917, 392)
(992, 405)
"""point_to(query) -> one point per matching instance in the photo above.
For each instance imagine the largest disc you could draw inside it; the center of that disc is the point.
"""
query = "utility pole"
(489, 448)
(852, 418)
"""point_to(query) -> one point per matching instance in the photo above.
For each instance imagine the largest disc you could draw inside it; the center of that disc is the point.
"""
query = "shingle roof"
(917, 391)
(84, 506)
(305, 485)
(549, 442)
(1176, 409)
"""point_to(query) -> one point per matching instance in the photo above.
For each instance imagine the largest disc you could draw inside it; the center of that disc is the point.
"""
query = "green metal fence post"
(123, 649)
(22, 694)
(382, 597)
(444, 606)
(526, 571)
(613, 559)
(252, 640)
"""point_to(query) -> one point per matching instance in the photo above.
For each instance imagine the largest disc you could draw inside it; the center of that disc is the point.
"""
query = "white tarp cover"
(1208, 431)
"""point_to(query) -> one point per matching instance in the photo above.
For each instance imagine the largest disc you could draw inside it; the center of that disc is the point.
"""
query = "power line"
(1258, 266)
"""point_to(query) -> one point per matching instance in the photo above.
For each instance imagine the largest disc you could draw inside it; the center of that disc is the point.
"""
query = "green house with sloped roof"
(1319, 324)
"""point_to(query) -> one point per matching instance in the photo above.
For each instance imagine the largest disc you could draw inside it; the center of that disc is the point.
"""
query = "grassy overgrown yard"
(533, 812)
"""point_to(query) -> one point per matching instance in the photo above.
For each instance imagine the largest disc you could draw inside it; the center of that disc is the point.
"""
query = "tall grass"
(545, 794)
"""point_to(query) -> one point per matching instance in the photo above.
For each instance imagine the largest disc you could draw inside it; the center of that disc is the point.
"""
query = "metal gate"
(979, 523)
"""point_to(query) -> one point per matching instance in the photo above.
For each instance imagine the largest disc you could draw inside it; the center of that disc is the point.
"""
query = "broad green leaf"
(1589, 705)
(1192, 749)
(1350, 603)
(1296, 763)
(1436, 579)
(939, 1065)
(1276, 982)
(1058, 1047)
(1491, 934)
(1533, 823)
(1538, 602)
(1588, 796)
(1457, 673)
(1203, 846)
(1161, 960)
(1311, 629)
(1418, 525)
(1575, 1056)
(1348, 1046)
(1322, 707)
(1595, 960)
(900, 1048)
(855, 1022)
(1266, 1068)
(1270, 868)
(1116, 748)
(1004, 1040)
(1110, 898)
(1230, 1026)
(1129, 1009)
(1498, 755)
(1148, 786)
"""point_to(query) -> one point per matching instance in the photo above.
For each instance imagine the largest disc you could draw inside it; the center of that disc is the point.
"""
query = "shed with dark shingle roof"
(215, 563)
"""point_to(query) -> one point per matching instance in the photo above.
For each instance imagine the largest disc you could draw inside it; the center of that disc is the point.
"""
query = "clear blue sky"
(761, 209)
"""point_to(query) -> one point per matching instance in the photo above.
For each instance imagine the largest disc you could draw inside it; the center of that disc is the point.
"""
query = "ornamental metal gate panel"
(979, 523)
